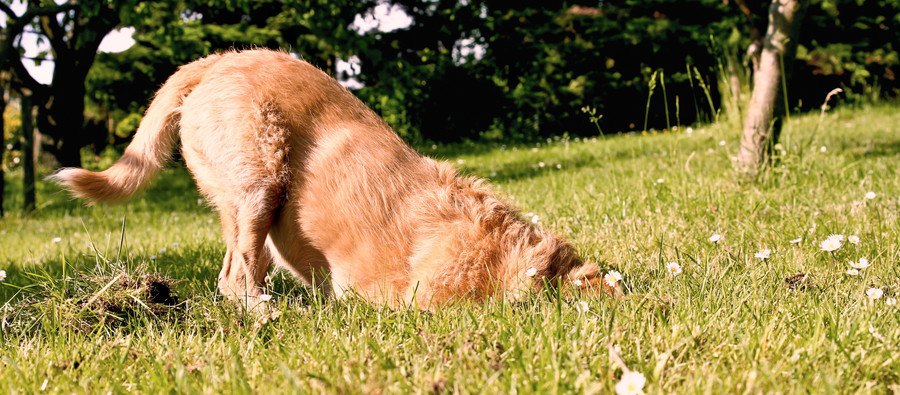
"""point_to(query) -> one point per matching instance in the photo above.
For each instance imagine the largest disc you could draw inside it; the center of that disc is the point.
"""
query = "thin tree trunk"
(761, 126)
(27, 154)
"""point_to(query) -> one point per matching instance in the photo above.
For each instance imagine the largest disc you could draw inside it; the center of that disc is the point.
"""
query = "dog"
(305, 175)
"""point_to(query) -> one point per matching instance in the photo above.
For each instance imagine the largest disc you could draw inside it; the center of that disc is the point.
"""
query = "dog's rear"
(149, 150)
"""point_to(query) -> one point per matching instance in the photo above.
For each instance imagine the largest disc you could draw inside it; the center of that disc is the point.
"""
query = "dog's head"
(537, 259)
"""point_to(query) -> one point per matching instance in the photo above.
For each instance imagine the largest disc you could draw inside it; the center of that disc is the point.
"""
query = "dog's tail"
(150, 149)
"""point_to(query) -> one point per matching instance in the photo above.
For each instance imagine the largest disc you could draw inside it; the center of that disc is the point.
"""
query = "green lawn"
(729, 323)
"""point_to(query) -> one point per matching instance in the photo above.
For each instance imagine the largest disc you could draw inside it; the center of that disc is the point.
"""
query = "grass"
(78, 319)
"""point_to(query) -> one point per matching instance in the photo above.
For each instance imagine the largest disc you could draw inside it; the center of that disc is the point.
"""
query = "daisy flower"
(861, 264)
(763, 255)
(715, 238)
(531, 272)
(853, 239)
(891, 301)
(2, 275)
(870, 195)
(612, 278)
(797, 240)
(56, 240)
(535, 219)
(874, 293)
(832, 243)
(660, 180)
(852, 272)
(631, 383)
(673, 268)
(577, 282)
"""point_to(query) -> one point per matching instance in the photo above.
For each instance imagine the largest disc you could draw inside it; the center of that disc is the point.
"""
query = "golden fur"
(303, 174)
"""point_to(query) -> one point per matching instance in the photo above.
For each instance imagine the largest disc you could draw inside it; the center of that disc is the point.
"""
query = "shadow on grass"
(173, 190)
(879, 149)
(194, 270)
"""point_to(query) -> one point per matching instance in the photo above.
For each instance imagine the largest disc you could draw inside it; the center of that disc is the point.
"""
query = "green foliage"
(519, 69)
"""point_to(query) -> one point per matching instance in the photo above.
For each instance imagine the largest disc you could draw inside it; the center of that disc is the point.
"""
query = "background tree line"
(464, 69)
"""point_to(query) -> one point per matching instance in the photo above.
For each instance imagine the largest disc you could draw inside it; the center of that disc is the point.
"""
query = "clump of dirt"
(105, 299)
(798, 282)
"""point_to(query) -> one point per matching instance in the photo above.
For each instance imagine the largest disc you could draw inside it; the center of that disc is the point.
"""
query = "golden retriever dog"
(303, 174)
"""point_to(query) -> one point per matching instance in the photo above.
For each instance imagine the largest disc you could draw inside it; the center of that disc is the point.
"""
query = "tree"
(762, 125)
(28, 160)
(73, 31)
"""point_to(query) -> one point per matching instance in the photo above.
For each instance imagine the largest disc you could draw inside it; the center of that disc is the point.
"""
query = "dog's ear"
(588, 279)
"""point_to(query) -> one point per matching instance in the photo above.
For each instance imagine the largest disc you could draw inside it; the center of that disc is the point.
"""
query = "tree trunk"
(62, 119)
(27, 153)
(761, 126)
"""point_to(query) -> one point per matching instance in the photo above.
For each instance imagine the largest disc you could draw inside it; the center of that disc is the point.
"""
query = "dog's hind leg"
(246, 223)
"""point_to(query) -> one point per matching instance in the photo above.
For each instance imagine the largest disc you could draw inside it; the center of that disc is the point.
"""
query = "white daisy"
(612, 278)
(689, 130)
(764, 254)
(823, 149)
(2, 275)
(874, 293)
(870, 195)
(852, 272)
(673, 268)
(660, 180)
(797, 240)
(531, 272)
(861, 264)
(891, 301)
(56, 240)
(631, 383)
(832, 243)
(541, 164)
(535, 219)
(715, 238)
(577, 282)
(853, 239)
